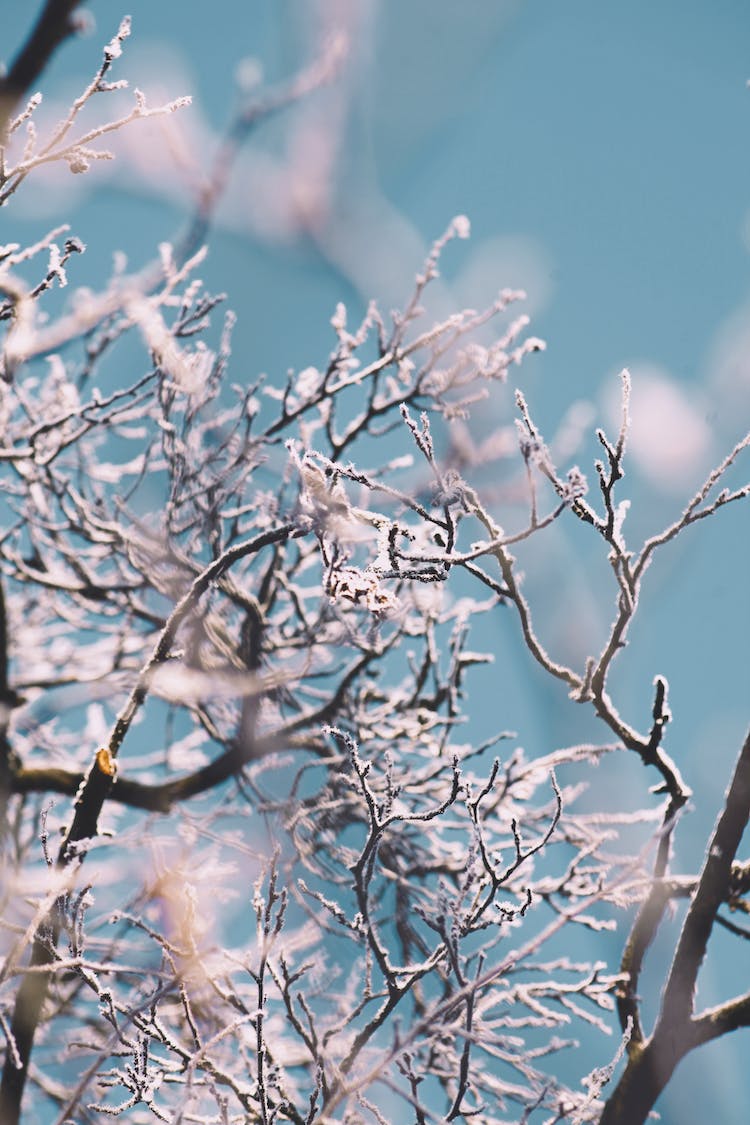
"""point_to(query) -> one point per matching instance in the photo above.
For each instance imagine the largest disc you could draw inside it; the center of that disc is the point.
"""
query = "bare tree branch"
(53, 26)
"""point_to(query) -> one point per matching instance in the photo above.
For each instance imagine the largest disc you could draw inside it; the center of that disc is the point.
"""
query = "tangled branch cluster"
(235, 627)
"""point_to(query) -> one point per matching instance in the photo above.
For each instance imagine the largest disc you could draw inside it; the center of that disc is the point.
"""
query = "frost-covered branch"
(288, 877)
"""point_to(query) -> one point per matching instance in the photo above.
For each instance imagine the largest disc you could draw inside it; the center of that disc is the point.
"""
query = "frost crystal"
(461, 226)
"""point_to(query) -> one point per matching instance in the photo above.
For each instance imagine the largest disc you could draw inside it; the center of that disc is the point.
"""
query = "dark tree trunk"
(642, 1081)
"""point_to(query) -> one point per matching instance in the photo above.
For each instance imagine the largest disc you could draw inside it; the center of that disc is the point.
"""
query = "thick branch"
(722, 1019)
(8, 699)
(33, 991)
(713, 888)
(53, 26)
(91, 797)
(651, 1065)
(136, 794)
(643, 932)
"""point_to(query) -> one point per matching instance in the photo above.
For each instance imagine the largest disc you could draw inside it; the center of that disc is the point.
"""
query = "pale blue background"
(602, 153)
